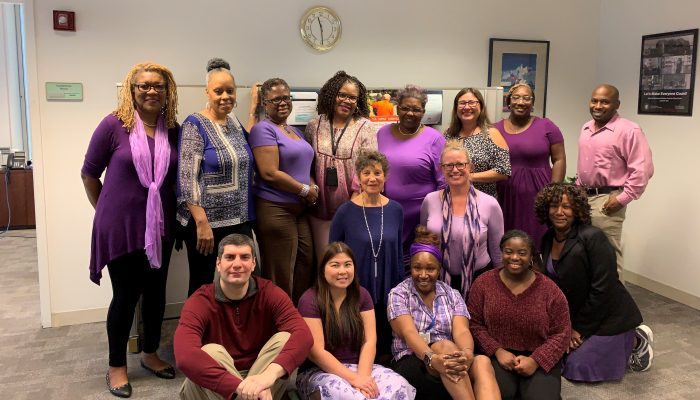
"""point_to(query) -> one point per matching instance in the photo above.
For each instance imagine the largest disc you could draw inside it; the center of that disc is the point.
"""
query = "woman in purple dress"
(132, 233)
(413, 151)
(533, 142)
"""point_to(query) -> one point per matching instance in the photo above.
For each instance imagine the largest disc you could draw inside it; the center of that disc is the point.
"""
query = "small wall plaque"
(64, 91)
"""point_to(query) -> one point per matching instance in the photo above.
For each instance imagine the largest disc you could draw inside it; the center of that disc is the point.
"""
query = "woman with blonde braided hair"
(135, 212)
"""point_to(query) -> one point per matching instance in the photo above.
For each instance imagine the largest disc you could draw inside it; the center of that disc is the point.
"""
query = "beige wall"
(440, 43)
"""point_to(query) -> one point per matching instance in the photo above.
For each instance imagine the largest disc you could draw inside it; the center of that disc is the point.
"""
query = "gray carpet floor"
(71, 362)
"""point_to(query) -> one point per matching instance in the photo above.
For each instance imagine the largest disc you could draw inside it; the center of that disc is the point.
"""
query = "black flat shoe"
(165, 373)
(121, 391)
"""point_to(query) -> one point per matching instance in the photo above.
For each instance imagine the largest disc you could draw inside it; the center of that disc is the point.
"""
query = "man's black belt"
(592, 191)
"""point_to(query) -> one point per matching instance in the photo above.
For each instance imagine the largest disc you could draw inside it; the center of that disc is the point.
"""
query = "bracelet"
(315, 188)
(304, 190)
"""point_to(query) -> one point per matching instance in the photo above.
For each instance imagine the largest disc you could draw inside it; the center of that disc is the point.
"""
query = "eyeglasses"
(347, 97)
(146, 87)
(465, 103)
(525, 99)
(460, 166)
(278, 100)
(410, 109)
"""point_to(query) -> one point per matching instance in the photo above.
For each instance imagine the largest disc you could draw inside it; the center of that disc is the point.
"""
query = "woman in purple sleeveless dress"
(533, 143)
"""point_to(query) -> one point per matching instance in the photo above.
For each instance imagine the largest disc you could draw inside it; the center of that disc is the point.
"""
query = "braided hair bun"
(216, 63)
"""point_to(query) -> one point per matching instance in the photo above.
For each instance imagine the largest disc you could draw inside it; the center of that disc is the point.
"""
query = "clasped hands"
(255, 387)
(523, 365)
(454, 365)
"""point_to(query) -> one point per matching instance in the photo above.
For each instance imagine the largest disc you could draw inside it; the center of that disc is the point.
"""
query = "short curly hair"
(329, 92)
(552, 194)
(369, 157)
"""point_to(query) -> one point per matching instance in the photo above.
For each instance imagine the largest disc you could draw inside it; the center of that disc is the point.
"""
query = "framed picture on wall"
(514, 61)
(667, 73)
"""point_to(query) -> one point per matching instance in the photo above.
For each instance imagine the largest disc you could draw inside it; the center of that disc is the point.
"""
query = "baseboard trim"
(172, 310)
(663, 289)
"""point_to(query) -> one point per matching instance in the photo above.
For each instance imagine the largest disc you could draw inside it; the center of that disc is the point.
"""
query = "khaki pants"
(191, 391)
(610, 224)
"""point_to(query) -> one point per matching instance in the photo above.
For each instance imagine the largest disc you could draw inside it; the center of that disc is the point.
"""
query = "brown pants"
(191, 391)
(286, 247)
(610, 224)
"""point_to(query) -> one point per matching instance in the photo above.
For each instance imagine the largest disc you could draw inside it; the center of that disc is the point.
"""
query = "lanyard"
(334, 143)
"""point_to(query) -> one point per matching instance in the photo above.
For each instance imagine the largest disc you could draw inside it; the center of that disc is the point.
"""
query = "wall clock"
(320, 28)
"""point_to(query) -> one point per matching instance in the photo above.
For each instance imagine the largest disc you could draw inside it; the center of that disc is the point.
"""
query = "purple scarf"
(421, 247)
(470, 239)
(141, 154)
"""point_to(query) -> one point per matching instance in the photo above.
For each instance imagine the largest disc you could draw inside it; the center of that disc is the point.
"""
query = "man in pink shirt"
(614, 163)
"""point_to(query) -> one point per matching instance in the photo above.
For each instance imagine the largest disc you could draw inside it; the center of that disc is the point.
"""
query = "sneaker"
(642, 354)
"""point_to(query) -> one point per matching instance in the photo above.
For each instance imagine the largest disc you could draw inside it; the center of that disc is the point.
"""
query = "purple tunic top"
(295, 158)
(531, 171)
(308, 308)
(490, 219)
(120, 215)
(414, 171)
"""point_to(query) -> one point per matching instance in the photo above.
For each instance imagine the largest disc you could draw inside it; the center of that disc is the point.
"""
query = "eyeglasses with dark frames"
(146, 87)
(347, 97)
(410, 109)
(279, 100)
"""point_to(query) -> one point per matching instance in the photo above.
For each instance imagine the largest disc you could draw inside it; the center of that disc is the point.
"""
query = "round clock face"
(320, 28)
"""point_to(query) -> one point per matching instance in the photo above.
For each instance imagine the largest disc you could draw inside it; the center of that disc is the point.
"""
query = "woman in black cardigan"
(606, 334)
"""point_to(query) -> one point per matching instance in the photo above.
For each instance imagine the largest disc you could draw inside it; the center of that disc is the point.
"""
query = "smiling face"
(468, 108)
(346, 100)
(339, 271)
(150, 102)
(372, 178)
(410, 112)
(279, 112)
(561, 214)
(455, 168)
(235, 265)
(603, 105)
(221, 93)
(521, 102)
(424, 272)
(517, 255)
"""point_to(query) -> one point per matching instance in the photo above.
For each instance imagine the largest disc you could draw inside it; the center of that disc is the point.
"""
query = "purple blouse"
(414, 171)
(490, 218)
(120, 214)
(295, 158)
(308, 308)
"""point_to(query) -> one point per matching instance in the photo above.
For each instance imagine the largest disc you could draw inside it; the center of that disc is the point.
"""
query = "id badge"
(425, 336)
(331, 176)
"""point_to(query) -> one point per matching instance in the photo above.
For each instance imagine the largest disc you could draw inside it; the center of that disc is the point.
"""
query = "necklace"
(409, 133)
(381, 233)
(149, 125)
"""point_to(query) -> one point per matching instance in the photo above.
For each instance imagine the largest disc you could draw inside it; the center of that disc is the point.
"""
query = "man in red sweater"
(241, 320)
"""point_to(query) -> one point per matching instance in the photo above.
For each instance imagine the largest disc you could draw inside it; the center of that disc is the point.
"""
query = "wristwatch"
(427, 358)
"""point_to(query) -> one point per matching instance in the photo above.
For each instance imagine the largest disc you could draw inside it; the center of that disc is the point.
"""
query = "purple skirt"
(599, 358)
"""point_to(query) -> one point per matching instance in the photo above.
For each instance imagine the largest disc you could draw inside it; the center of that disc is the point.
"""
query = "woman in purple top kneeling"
(340, 315)
(132, 232)
(283, 190)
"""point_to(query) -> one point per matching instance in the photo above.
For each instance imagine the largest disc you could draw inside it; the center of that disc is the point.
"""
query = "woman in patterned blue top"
(215, 173)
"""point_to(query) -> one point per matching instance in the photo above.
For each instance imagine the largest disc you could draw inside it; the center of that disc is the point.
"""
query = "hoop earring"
(235, 103)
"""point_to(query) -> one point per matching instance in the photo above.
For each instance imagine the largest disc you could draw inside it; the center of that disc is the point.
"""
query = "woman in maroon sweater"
(520, 319)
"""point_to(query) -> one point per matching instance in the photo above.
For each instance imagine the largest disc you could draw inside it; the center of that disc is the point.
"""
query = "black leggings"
(428, 387)
(133, 277)
(202, 267)
(540, 386)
